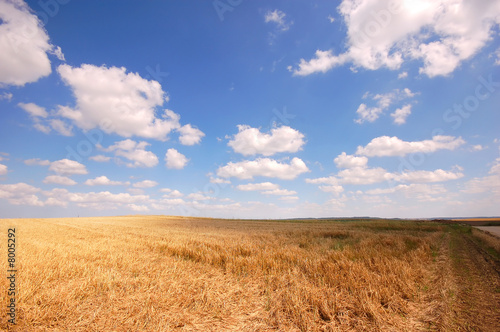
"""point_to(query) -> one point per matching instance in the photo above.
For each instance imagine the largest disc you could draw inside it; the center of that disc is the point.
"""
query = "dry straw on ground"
(156, 273)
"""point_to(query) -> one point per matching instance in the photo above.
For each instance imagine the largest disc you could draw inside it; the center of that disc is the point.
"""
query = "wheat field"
(159, 273)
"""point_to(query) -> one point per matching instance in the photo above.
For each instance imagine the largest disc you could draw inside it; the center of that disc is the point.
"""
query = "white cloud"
(278, 17)
(3, 169)
(199, 197)
(401, 114)
(175, 160)
(145, 184)
(331, 18)
(99, 201)
(323, 62)
(135, 191)
(58, 179)
(331, 180)
(477, 147)
(354, 171)
(67, 167)
(190, 135)
(24, 44)
(250, 141)
(257, 186)
(117, 102)
(41, 123)
(349, 161)
(403, 75)
(438, 175)
(383, 102)
(6, 96)
(392, 146)
(289, 199)
(440, 33)
(280, 192)
(34, 110)
(20, 194)
(497, 54)
(138, 208)
(37, 161)
(263, 167)
(367, 114)
(61, 127)
(104, 181)
(489, 183)
(171, 192)
(364, 175)
(420, 192)
(135, 152)
(100, 158)
(219, 180)
(336, 190)
(43, 128)
(56, 50)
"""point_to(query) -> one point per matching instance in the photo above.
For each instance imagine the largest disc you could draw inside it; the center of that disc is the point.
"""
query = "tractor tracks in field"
(477, 277)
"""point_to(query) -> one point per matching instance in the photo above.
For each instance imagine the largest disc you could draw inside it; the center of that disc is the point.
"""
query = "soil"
(478, 285)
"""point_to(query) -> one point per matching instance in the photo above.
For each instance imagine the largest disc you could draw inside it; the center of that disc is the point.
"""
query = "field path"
(491, 229)
(478, 281)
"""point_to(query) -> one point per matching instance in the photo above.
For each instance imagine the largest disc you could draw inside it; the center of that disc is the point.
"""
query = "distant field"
(157, 273)
(480, 221)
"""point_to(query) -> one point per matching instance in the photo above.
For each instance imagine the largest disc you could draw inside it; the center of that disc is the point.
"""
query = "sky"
(250, 109)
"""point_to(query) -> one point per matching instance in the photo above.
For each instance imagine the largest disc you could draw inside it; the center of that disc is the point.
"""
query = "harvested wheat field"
(157, 273)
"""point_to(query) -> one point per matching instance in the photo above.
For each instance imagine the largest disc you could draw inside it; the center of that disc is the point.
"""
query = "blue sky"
(250, 109)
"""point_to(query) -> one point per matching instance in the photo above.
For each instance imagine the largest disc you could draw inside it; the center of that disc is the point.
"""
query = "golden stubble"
(157, 273)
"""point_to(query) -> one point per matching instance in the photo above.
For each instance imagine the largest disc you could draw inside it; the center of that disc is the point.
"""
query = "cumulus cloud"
(67, 167)
(190, 135)
(117, 102)
(43, 123)
(104, 181)
(199, 197)
(20, 194)
(37, 161)
(438, 175)
(24, 44)
(382, 102)
(257, 186)
(348, 161)
(336, 190)
(135, 152)
(145, 184)
(250, 141)
(489, 183)
(247, 169)
(219, 180)
(58, 179)
(392, 146)
(401, 114)
(439, 33)
(138, 208)
(6, 96)
(171, 192)
(95, 200)
(280, 192)
(3, 169)
(61, 127)
(100, 158)
(175, 160)
(421, 192)
(34, 110)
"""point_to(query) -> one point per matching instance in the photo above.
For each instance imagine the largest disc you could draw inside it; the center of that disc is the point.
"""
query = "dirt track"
(495, 230)
(478, 281)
